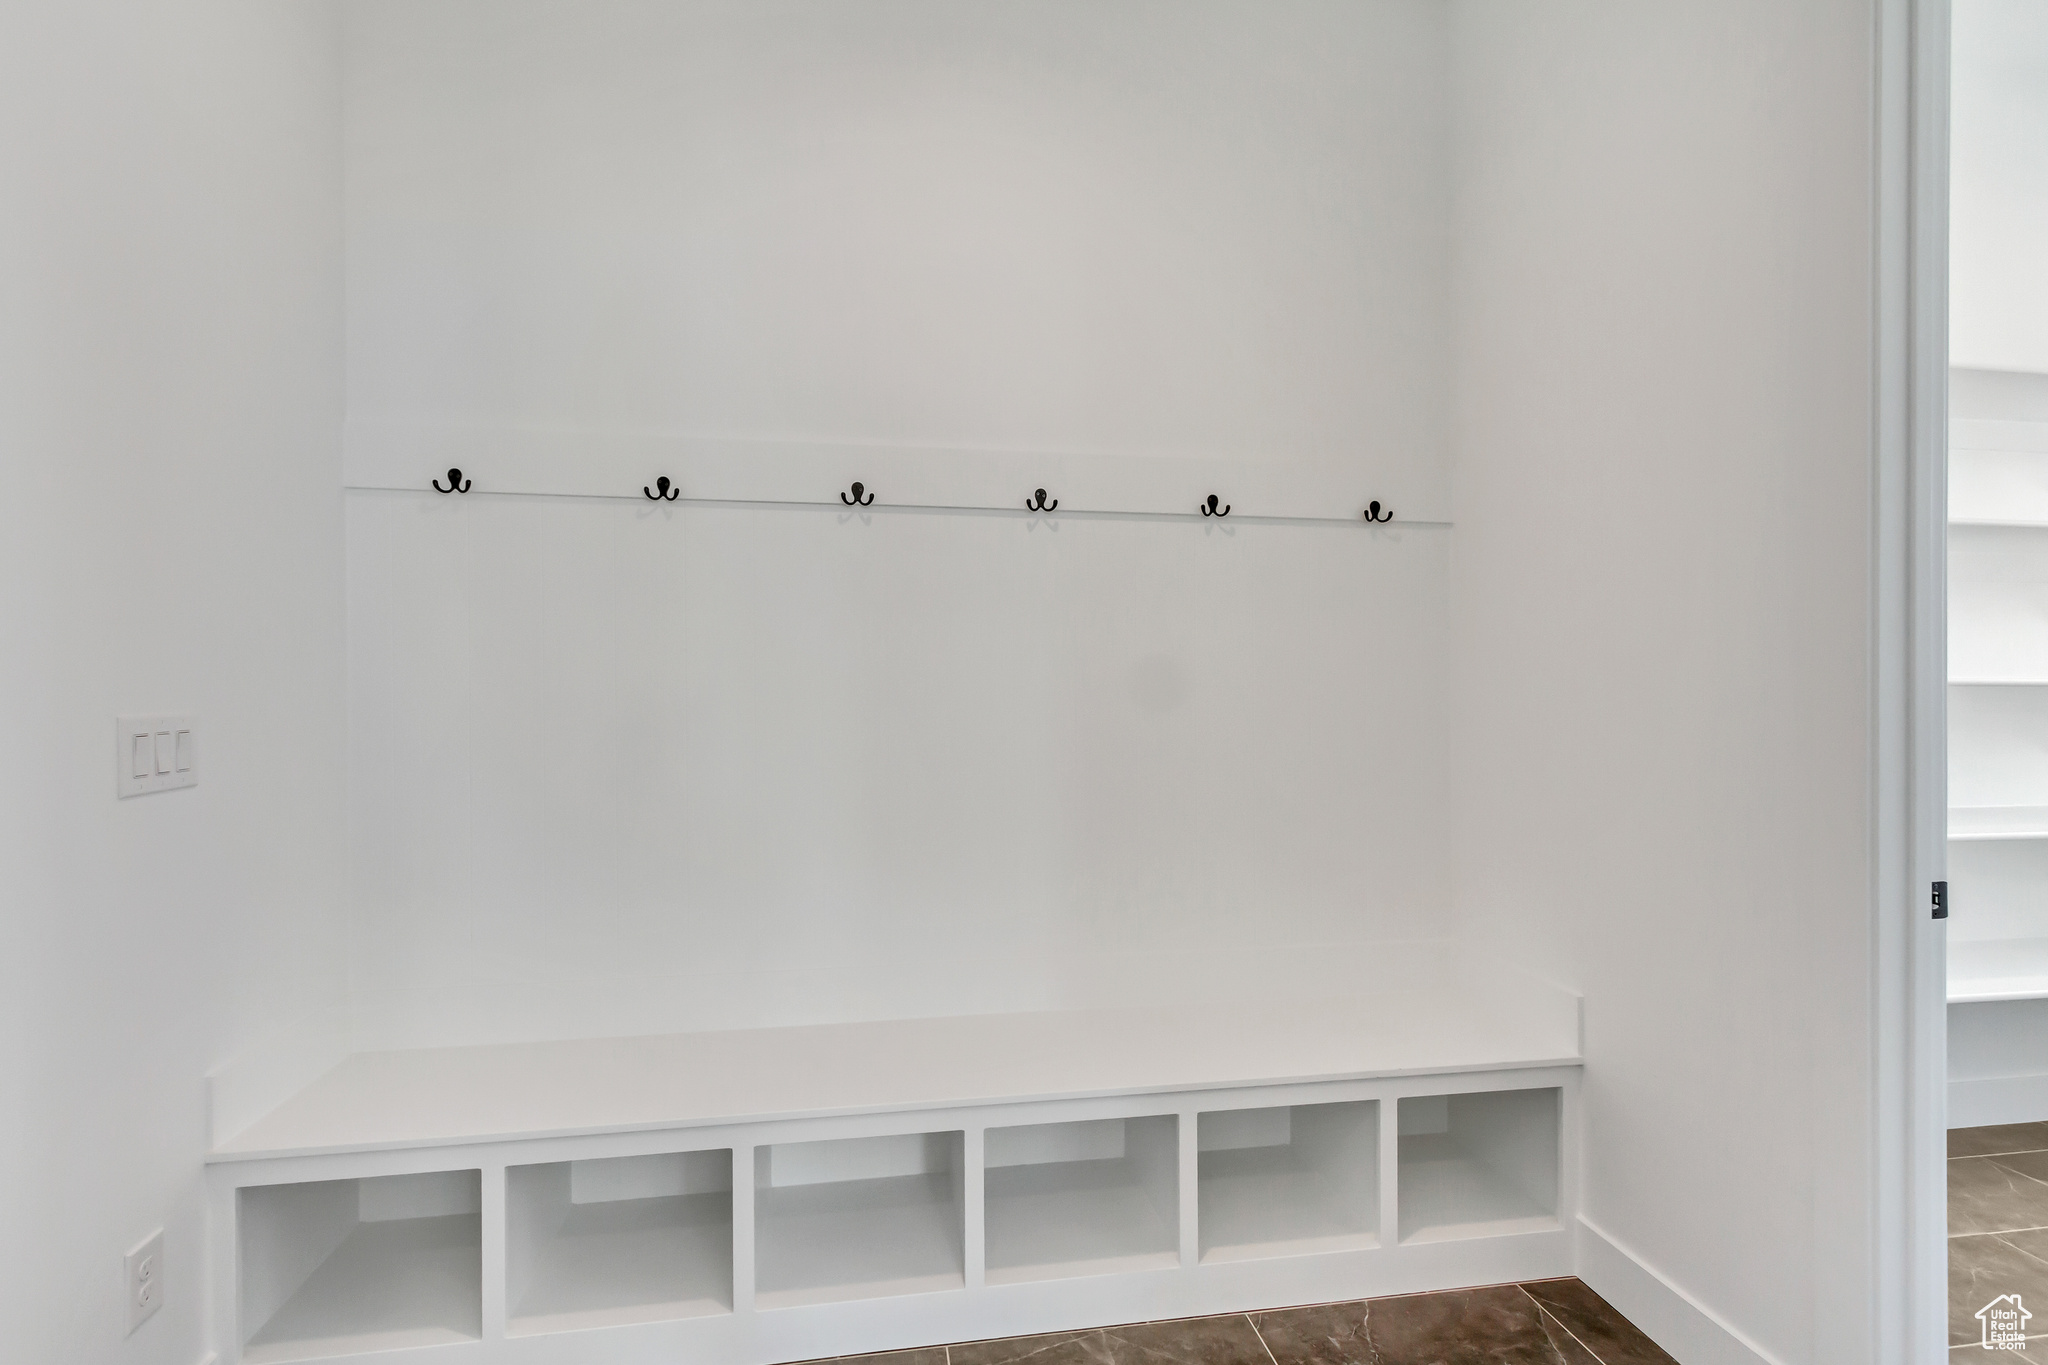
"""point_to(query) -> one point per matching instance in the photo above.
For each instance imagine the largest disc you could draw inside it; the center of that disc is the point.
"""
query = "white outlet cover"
(155, 753)
(145, 1279)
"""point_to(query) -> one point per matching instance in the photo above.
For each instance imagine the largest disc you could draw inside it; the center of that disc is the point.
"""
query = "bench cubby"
(858, 1218)
(1087, 1198)
(338, 1267)
(618, 1239)
(1479, 1165)
(1289, 1180)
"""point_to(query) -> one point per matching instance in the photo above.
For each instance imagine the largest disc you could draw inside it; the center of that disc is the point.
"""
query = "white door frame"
(1909, 667)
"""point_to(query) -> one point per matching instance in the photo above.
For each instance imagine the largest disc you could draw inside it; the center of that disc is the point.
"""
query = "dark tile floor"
(1997, 1232)
(1545, 1322)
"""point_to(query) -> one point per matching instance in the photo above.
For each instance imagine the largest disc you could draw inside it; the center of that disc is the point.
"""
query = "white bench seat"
(776, 1194)
(439, 1096)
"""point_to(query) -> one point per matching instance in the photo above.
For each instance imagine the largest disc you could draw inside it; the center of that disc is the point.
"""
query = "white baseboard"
(255, 1081)
(1674, 1319)
(1998, 1099)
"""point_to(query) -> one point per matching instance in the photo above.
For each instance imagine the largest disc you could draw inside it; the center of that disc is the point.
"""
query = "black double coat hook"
(661, 492)
(1209, 507)
(1373, 512)
(857, 500)
(1037, 503)
(456, 483)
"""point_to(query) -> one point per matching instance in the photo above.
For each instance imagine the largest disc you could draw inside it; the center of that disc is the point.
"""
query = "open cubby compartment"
(1084, 1198)
(1478, 1165)
(1288, 1180)
(337, 1267)
(619, 1239)
(859, 1218)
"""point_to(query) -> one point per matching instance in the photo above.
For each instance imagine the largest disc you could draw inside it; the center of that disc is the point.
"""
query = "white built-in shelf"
(1091, 1198)
(1997, 822)
(1998, 747)
(870, 1175)
(1997, 969)
(1288, 1181)
(1998, 473)
(347, 1266)
(1998, 612)
(1432, 1022)
(1998, 693)
(858, 1218)
(627, 1239)
(644, 1246)
(1481, 1165)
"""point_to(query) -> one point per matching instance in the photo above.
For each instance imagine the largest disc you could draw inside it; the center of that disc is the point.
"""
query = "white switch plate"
(155, 754)
(145, 1279)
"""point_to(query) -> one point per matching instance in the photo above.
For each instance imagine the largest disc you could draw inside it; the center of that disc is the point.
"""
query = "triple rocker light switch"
(155, 754)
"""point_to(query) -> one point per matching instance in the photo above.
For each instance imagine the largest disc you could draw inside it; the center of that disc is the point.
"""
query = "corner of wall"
(253, 1082)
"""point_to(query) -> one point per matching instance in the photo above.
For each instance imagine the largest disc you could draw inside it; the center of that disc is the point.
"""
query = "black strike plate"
(1941, 900)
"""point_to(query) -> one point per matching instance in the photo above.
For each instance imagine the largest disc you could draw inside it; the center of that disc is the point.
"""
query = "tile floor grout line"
(1543, 1312)
(2009, 1170)
(2014, 1246)
(1261, 1339)
(2017, 1151)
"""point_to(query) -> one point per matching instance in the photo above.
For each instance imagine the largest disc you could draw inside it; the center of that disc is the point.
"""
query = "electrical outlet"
(145, 1279)
(155, 754)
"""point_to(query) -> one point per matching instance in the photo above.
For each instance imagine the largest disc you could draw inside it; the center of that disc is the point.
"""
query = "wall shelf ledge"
(1997, 969)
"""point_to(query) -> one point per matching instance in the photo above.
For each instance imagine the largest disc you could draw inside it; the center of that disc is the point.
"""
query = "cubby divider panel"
(857, 1218)
(1479, 1165)
(1288, 1181)
(337, 1267)
(617, 1240)
(1086, 1198)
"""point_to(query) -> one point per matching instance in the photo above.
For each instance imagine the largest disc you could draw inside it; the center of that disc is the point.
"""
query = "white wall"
(1662, 611)
(618, 770)
(1998, 229)
(1159, 228)
(170, 538)
(622, 770)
